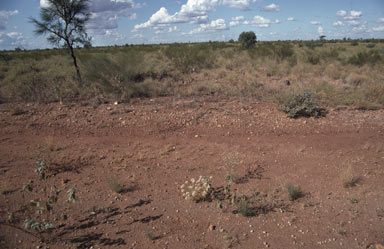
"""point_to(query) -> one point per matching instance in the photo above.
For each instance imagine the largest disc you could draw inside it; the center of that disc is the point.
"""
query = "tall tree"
(64, 21)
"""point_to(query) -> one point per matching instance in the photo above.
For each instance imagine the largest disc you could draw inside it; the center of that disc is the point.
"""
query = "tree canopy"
(247, 39)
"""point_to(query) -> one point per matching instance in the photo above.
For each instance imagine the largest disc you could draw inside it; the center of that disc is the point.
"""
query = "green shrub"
(354, 43)
(299, 105)
(371, 45)
(247, 39)
(313, 58)
(294, 192)
(313, 44)
(360, 59)
(189, 58)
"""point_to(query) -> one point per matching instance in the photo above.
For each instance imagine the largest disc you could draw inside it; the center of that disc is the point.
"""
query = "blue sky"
(150, 21)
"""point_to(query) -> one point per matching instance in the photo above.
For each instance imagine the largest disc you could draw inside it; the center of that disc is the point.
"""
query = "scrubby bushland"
(189, 58)
(370, 57)
(247, 39)
(352, 74)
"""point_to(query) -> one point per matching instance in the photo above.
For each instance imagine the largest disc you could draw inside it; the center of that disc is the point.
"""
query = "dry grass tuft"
(348, 178)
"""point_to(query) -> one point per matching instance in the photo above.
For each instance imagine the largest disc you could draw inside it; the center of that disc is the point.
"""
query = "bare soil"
(152, 146)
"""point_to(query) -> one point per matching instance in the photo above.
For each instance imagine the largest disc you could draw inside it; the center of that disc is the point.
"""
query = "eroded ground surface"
(153, 146)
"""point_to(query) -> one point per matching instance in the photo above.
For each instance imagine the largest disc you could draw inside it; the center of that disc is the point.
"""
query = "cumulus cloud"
(11, 40)
(213, 26)
(4, 16)
(262, 22)
(163, 30)
(194, 11)
(271, 8)
(351, 15)
(320, 30)
(378, 29)
(235, 21)
(291, 19)
(341, 13)
(380, 20)
(240, 4)
(338, 23)
(315, 23)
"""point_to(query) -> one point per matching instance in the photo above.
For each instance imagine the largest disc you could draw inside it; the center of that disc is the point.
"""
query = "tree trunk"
(75, 64)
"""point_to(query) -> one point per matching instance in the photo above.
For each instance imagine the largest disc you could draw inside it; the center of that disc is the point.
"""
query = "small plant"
(197, 190)
(115, 185)
(243, 207)
(294, 192)
(149, 235)
(71, 194)
(300, 105)
(231, 162)
(41, 170)
(347, 177)
(38, 211)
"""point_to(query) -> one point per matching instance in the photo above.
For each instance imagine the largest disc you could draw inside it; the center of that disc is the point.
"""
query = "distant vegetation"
(342, 72)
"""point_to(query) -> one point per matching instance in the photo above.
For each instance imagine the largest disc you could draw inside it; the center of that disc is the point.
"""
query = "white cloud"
(44, 3)
(291, 19)
(378, 29)
(194, 11)
(315, 23)
(272, 7)
(213, 26)
(235, 21)
(4, 16)
(11, 40)
(133, 17)
(353, 15)
(362, 28)
(380, 19)
(320, 30)
(338, 23)
(239, 4)
(341, 13)
(162, 30)
(354, 23)
(262, 22)
(237, 18)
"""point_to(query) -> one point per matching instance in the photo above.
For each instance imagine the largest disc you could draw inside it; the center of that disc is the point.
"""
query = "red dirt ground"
(153, 146)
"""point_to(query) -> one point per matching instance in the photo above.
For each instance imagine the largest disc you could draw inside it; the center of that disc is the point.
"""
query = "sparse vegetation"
(244, 208)
(197, 190)
(214, 68)
(348, 178)
(115, 185)
(38, 211)
(294, 192)
(299, 105)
